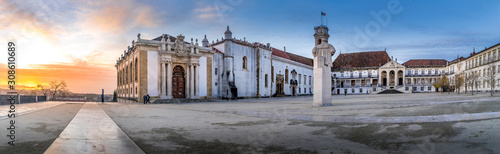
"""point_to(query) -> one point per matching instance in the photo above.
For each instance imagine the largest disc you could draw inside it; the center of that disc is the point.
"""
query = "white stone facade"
(168, 67)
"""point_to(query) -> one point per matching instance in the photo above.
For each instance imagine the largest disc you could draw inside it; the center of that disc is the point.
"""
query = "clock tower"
(320, 34)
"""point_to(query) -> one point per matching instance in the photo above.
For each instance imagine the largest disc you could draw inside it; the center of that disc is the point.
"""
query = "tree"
(444, 83)
(57, 87)
(490, 78)
(472, 80)
(459, 81)
(114, 96)
(39, 88)
(436, 86)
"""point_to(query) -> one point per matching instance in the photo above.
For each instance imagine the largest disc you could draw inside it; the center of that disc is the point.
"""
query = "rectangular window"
(265, 80)
(305, 78)
(310, 80)
(215, 71)
(300, 77)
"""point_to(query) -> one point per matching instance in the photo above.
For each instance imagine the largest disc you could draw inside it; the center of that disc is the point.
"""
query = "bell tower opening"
(321, 34)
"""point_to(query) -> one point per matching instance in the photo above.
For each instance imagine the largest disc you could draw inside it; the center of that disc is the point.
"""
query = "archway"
(384, 78)
(400, 78)
(279, 85)
(178, 82)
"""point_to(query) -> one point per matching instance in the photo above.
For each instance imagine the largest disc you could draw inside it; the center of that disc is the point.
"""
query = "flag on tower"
(323, 14)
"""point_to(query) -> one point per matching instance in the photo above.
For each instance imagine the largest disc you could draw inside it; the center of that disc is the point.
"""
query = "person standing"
(144, 98)
(148, 98)
(102, 96)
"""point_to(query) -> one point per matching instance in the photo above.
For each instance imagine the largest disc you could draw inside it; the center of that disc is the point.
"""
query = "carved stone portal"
(279, 86)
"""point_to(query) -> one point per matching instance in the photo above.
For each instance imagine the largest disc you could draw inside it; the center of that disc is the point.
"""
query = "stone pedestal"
(322, 74)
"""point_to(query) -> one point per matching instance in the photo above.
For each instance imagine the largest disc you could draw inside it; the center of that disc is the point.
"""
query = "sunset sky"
(79, 41)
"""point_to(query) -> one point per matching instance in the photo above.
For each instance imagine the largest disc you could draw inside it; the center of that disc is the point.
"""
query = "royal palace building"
(169, 67)
(376, 72)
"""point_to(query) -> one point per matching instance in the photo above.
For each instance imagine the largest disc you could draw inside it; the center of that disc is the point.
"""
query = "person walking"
(144, 98)
(148, 98)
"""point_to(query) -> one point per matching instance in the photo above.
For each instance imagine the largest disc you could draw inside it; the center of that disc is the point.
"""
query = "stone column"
(404, 79)
(187, 81)
(191, 81)
(163, 82)
(380, 78)
(396, 79)
(169, 79)
(197, 81)
(388, 78)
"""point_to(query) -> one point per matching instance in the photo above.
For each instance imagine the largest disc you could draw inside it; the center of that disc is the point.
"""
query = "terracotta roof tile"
(217, 50)
(300, 59)
(361, 59)
(425, 62)
(280, 53)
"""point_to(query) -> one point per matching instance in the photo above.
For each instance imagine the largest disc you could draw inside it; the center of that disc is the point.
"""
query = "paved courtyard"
(396, 123)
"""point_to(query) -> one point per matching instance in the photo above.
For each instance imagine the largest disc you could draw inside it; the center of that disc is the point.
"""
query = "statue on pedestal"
(322, 52)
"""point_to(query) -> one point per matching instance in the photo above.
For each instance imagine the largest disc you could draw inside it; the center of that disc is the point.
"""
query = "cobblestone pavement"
(401, 123)
(21, 109)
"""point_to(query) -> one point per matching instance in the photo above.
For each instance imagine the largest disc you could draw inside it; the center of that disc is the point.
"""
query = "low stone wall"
(23, 99)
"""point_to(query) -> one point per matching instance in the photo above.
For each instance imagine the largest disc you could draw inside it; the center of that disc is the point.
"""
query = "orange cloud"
(117, 17)
(79, 78)
(24, 22)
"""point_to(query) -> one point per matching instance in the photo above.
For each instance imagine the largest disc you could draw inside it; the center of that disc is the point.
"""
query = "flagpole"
(321, 18)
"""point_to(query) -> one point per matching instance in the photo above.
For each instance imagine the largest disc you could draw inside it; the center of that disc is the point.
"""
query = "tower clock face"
(319, 30)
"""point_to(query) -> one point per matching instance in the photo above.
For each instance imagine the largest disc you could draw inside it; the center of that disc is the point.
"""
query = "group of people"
(146, 99)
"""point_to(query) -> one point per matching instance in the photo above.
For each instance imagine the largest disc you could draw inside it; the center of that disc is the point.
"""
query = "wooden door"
(178, 88)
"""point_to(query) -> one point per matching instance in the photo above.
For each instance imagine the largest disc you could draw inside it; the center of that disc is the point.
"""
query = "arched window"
(244, 62)
(131, 77)
(136, 70)
(126, 74)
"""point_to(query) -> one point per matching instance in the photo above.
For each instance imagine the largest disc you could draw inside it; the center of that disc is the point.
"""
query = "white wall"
(245, 79)
(203, 77)
(153, 73)
(217, 60)
(280, 66)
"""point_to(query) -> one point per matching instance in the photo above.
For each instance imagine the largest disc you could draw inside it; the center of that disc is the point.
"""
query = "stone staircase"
(179, 100)
(390, 91)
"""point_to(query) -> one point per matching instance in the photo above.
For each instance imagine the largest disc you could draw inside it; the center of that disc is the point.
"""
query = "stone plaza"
(400, 123)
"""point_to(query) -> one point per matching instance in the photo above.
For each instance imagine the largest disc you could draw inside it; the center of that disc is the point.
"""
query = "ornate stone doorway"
(178, 82)
(279, 85)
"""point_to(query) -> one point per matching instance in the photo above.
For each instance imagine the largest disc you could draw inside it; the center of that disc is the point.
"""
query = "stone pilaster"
(197, 81)
(163, 82)
(209, 77)
(191, 81)
(169, 79)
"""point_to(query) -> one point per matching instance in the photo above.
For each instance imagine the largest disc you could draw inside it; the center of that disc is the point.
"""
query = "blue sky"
(422, 29)
(80, 40)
